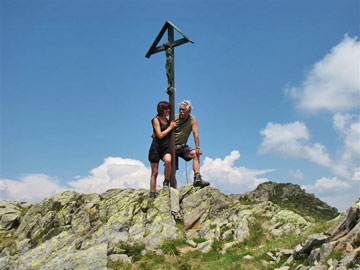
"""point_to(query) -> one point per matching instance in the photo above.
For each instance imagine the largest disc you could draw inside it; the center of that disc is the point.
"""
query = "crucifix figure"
(168, 47)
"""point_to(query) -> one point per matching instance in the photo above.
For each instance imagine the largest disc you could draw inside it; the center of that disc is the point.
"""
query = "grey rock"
(242, 229)
(342, 267)
(271, 255)
(326, 250)
(351, 238)
(159, 252)
(227, 234)
(283, 252)
(248, 257)
(125, 258)
(71, 230)
(227, 246)
(4, 262)
(318, 267)
(191, 243)
(301, 267)
(343, 226)
(11, 214)
(352, 258)
(289, 261)
(283, 268)
(314, 256)
(205, 247)
(332, 262)
(174, 201)
(118, 257)
(195, 206)
(311, 242)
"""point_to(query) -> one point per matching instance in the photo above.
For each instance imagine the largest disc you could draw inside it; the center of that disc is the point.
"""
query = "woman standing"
(160, 146)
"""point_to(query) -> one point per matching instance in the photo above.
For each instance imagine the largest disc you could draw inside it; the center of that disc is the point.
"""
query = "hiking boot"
(152, 196)
(199, 182)
(166, 183)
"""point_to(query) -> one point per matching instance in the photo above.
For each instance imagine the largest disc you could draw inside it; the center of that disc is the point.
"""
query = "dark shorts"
(183, 152)
(158, 152)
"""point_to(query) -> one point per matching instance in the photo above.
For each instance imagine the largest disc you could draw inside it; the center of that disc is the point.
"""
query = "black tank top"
(166, 140)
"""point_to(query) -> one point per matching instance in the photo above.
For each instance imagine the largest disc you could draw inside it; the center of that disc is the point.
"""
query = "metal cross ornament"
(168, 47)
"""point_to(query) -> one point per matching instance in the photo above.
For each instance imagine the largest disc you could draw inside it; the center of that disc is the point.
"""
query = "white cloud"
(291, 140)
(115, 172)
(335, 191)
(30, 187)
(297, 174)
(356, 175)
(324, 185)
(348, 162)
(333, 83)
(230, 179)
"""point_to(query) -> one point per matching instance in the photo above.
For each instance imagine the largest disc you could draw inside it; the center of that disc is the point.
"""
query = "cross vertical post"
(168, 47)
(171, 86)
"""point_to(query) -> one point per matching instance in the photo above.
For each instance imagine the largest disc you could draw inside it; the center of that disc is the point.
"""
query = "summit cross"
(168, 47)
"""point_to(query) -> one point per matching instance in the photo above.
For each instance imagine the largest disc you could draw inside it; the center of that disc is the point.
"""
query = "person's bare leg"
(167, 169)
(154, 174)
(196, 161)
(198, 181)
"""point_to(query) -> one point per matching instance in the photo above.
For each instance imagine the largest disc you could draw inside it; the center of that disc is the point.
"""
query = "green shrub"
(103, 220)
(225, 229)
(133, 250)
(217, 245)
(199, 240)
(169, 247)
(119, 265)
(335, 254)
(213, 226)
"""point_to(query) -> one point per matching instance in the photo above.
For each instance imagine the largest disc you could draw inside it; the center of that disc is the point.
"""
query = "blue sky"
(275, 87)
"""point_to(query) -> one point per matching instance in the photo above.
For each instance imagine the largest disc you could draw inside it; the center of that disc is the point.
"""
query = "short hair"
(187, 103)
(162, 105)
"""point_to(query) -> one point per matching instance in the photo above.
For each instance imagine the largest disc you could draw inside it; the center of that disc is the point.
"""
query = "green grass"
(335, 254)
(247, 202)
(225, 229)
(233, 258)
(218, 245)
(103, 220)
(7, 240)
(169, 247)
(133, 250)
(199, 240)
(213, 226)
(119, 265)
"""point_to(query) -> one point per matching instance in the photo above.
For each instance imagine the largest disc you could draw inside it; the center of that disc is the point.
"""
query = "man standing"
(185, 124)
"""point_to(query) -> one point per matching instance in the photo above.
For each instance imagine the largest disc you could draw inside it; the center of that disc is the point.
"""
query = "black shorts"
(158, 152)
(183, 152)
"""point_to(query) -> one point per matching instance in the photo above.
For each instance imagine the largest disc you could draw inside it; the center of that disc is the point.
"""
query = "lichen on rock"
(91, 231)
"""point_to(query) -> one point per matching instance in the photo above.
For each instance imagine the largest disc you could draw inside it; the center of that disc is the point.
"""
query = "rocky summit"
(124, 229)
(291, 197)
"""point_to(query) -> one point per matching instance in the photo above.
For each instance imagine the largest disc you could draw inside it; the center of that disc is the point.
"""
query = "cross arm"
(171, 44)
(154, 49)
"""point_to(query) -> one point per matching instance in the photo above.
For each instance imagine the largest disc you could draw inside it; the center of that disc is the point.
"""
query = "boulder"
(313, 241)
(11, 214)
(205, 247)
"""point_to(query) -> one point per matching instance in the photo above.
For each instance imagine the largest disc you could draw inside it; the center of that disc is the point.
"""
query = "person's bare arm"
(196, 136)
(161, 134)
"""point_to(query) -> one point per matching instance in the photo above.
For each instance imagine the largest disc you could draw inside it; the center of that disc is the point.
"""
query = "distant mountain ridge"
(292, 197)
